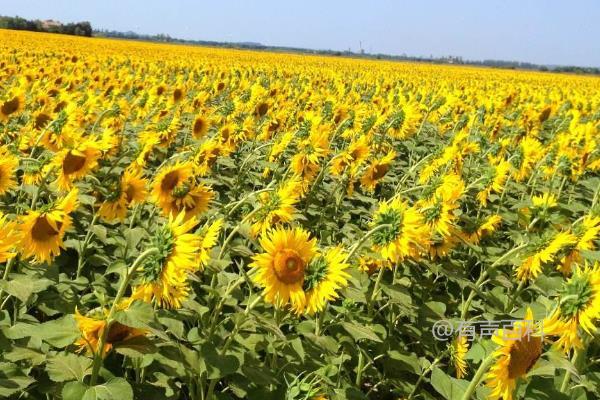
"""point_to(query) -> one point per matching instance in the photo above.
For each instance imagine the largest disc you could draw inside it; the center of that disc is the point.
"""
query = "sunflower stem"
(375, 291)
(485, 364)
(364, 239)
(99, 355)
(424, 374)
(7, 270)
(484, 275)
(567, 378)
(235, 230)
(83, 248)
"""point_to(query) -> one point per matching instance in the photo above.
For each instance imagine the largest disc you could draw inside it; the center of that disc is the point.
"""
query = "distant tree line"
(83, 28)
(434, 60)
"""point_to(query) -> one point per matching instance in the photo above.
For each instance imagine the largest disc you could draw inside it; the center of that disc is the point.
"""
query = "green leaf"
(136, 347)
(297, 346)
(543, 389)
(59, 332)
(12, 379)
(74, 391)
(138, 315)
(68, 367)
(23, 286)
(216, 365)
(450, 388)
(360, 332)
(113, 389)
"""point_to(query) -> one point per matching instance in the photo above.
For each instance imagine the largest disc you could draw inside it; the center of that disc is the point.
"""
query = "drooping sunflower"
(131, 189)
(458, 351)
(352, 158)
(579, 307)
(472, 233)
(439, 217)
(277, 207)
(8, 167)
(323, 277)
(547, 252)
(376, 170)
(281, 268)
(403, 123)
(74, 163)
(406, 233)
(41, 231)
(164, 276)
(587, 232)
(208, 240)
(175, 190)
(92, 329)
(520, 348)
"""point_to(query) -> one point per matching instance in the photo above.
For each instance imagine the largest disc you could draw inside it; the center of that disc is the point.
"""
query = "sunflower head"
(281, 268)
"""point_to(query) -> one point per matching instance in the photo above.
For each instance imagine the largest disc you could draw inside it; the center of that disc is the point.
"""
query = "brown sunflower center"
(523, 355)
(117, 333)
(380, 170)
(198, 126)
(262, 109)
(289, 267)
(41, 120)
(73, 163)
(10, 106)
(42, 230)
(130, 193)
(170, 181)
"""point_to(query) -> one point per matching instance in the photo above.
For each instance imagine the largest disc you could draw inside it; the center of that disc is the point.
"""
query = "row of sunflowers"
(198, 223)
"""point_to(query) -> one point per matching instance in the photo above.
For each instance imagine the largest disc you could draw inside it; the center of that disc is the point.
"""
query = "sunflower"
(377, 170)
(405, 234)
(131, 189)
(8, 167)
(440, 217)
(352, 158)
(458, 351)
(8, 238)
(41, 232)
(281, 268)
(474, 232)
(547, 253)
(579, 306)
(371, 264)
(403, 123)
(277, 207)
(12, 106)
(92, 329)
(164, 279)
(175, 190)
(75, 163)
(519, 350)
(208, 240)
(323, 276)
(494, 181)
(587, 233)
(200, 126)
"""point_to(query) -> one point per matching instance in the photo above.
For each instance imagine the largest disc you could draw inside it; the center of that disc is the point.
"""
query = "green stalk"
(485, 364)
(567, 378)
(483, 276)
(364, 239)
(7, 270)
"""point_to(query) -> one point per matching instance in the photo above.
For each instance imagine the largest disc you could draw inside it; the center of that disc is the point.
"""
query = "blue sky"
(546, 32)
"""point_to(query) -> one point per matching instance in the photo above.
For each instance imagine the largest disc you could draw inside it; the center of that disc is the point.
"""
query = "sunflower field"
(201, 223)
